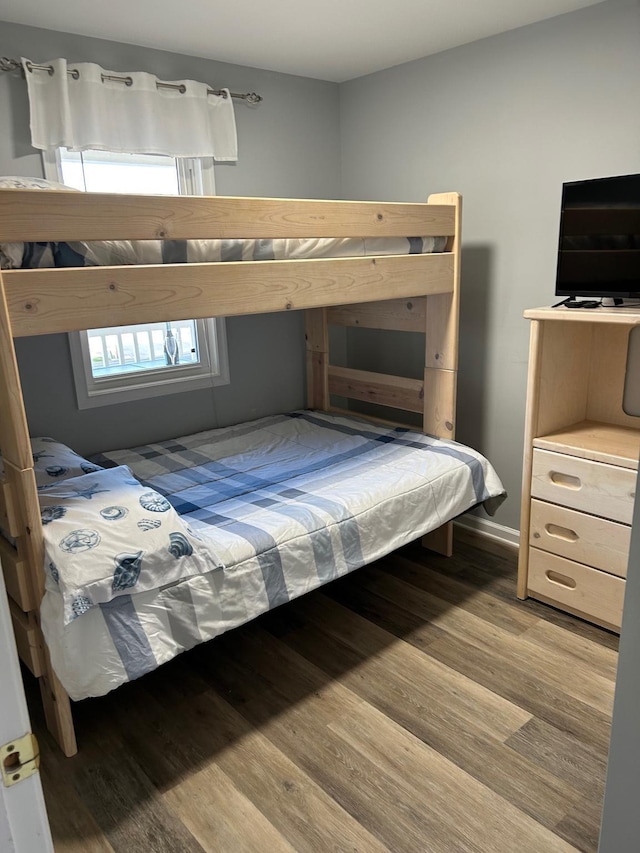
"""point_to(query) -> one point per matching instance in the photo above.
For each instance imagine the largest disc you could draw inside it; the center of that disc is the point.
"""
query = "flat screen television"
(599, 247)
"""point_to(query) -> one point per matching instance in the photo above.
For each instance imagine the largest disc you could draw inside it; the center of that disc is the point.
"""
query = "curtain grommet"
(31, 67)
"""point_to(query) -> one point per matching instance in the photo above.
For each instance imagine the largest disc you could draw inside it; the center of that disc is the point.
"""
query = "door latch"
(19, 759)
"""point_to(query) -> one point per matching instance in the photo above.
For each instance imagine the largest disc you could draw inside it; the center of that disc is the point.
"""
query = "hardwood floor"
(413, 706)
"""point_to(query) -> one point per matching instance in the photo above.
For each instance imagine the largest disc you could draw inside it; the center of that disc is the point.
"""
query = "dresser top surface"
(615, 445)
(624, 316)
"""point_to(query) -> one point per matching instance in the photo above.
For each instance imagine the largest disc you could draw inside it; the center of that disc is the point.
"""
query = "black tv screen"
(599, 250)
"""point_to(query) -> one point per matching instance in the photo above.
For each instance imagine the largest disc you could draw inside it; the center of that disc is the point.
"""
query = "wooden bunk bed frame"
(402, 292)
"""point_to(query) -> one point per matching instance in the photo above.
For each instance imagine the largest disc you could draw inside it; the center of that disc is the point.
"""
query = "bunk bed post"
(317, 338)
(21, 485)
(441, 362)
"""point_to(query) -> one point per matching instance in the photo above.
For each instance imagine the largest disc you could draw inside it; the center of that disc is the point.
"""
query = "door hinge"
(20, 759)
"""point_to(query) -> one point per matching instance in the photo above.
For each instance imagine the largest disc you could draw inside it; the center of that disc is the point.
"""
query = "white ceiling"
(327, 39)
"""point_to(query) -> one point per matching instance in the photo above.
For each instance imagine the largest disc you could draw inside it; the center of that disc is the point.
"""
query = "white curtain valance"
(78, 107)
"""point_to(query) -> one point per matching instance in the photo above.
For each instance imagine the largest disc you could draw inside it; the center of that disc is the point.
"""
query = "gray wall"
(288, 146)
(504, 121)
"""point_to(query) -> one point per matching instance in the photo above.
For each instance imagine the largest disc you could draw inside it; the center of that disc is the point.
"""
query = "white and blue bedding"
(251, 516)
(122, 252)
(53, 461)
(107, 535)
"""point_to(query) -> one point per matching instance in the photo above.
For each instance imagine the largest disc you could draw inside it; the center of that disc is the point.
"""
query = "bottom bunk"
(152, 550)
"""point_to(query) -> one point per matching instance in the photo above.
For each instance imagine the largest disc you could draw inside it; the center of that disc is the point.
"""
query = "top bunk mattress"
(126, 252)
(218, 527)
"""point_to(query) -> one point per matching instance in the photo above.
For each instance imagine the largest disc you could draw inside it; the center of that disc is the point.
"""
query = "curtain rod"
(7, 64)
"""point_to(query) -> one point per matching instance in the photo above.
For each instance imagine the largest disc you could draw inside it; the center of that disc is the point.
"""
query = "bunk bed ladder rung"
(401, 315)
(396, 392)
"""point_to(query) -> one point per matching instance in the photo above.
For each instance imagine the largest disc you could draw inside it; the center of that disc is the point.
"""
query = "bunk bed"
(406, 292)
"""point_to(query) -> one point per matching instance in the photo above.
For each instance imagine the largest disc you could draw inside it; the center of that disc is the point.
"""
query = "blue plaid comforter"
(285, 503)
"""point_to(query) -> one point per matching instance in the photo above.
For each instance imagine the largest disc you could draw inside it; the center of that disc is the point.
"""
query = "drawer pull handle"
(561, 580)
(565, 480)
(561, 532)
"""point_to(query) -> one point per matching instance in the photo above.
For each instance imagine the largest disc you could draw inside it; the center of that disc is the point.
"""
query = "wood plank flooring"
(413, 706)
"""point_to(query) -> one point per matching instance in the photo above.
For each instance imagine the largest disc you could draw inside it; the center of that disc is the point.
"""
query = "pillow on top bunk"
(15, 182)
(54, 461)
(11, 254)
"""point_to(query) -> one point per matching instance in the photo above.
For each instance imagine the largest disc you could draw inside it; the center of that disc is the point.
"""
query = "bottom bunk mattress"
(216, 528)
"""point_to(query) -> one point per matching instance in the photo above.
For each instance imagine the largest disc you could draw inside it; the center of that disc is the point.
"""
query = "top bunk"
(45, 301)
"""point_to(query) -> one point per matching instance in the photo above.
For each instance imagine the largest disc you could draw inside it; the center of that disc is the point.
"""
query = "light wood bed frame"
(404, 292)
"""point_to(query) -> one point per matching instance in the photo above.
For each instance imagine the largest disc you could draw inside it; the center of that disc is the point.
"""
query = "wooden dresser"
(580, 463)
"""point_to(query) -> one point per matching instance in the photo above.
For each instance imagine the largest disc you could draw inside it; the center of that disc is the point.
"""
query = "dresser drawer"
(583, 538)
(586, 592)
(593, 487)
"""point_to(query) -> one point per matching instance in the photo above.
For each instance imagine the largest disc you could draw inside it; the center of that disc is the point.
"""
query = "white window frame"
(196, 177)
(212, 370)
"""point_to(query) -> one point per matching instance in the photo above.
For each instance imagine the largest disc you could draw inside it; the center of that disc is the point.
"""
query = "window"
(124, 363)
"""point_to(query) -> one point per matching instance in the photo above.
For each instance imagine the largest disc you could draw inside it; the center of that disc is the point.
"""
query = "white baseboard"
(485, 527)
